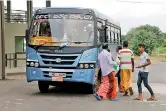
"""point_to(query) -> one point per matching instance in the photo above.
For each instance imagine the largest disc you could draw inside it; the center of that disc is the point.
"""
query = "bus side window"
(115, 38)
(102, 35)
(112, 34)
(119, 37)
(108, 35)
(98, 36)
(101, 32)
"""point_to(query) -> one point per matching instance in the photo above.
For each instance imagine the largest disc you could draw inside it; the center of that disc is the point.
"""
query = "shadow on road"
(67, 91)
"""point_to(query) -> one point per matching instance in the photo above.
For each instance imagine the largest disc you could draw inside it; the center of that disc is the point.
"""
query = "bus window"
(119, 35)
(108, 35)
(118, 38)
(102, 35)
(115, 38)
(45, 29)
(98, 36)
(112, 36)
(99, 25)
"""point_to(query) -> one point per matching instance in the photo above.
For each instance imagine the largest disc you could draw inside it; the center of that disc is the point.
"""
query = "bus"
(63, 46)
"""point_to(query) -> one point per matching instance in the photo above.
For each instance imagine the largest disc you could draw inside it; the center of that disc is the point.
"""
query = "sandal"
(97, 96)
(138, 99)
(151, 99)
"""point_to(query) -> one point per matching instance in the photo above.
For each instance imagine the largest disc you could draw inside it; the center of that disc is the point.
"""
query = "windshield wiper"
(64, 45)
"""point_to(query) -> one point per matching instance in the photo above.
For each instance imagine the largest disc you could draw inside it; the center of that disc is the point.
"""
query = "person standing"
(121, 90)
(126, 57)
(143, 74)
(107, 89)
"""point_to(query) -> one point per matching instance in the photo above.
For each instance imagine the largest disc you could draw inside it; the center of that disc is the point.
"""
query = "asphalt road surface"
(18, 95)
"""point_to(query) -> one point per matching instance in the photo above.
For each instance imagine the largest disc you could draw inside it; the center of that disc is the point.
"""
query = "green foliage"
(151, 36)
(162, 50)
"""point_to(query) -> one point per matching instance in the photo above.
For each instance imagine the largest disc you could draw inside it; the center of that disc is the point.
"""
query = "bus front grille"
(61, 63)
(51, 59)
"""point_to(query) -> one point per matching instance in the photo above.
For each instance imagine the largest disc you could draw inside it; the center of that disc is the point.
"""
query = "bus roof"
(77, 10)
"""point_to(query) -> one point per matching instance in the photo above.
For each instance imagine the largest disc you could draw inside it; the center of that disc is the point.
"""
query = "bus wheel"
(43, 86)
(91, 89)
(94, 88)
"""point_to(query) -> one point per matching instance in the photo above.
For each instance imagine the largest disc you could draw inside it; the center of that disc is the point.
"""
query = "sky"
(129, 15)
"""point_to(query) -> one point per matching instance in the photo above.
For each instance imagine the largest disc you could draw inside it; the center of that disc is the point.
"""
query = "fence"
(15, 59)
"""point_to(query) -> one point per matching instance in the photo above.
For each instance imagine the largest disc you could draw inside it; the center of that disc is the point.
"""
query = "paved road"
(17, 95)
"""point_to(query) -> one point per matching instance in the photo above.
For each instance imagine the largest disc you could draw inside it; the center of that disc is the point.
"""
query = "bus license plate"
(52, 74)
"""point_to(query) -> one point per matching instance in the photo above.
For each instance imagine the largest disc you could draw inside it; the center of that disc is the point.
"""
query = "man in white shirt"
(143, 74)
(107, 89)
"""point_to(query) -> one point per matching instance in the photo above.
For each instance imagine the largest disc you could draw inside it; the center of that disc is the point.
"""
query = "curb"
(15, 73)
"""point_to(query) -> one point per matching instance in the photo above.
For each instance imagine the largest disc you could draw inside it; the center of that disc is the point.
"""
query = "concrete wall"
(12, 30)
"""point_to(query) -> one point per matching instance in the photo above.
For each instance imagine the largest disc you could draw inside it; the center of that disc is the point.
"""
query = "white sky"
(128, 14)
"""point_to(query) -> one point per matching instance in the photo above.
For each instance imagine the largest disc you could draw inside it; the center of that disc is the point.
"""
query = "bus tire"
(91, 89)
(43, 86)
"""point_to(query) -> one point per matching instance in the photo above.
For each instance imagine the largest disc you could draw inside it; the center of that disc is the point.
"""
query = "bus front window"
(64, 29)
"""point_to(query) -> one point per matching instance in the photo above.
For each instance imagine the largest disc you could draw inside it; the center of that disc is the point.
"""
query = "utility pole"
(29, 12)
(8, 10)
(2, 41)
(48, 3)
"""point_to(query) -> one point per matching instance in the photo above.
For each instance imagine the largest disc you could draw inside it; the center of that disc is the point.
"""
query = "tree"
(149, 35)
(143, 37)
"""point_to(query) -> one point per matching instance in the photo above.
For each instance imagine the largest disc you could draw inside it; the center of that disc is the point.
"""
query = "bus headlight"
(86, 66)
(81, 66)
(32, 64)
(92, 65)
(36, 64)
(27, 63)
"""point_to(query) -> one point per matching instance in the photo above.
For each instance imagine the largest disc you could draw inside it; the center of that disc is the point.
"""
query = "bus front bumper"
(72, 75)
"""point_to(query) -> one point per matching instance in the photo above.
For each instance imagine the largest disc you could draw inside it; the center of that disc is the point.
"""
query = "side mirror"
(27, 35)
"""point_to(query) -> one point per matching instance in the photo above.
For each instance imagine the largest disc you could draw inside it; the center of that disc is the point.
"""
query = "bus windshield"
(62, 28)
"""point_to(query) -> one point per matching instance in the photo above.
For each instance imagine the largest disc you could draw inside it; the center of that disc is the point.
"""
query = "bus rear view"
(61, 47)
